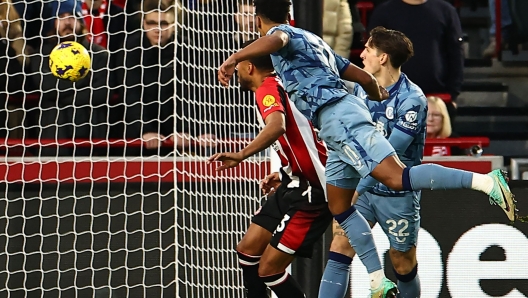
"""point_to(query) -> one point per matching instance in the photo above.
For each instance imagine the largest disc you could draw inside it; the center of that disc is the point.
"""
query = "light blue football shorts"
(398, 216)
(356, 147)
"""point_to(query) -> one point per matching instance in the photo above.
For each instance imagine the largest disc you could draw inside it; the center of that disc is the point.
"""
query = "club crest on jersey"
(411, 116)
(389, 113)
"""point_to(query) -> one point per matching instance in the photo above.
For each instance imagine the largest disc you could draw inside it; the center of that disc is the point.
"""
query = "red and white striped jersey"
(301, 153)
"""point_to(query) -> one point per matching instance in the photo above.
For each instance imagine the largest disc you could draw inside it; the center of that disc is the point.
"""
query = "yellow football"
(70, 60)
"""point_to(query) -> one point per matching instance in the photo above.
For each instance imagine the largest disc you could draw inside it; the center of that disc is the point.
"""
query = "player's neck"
(414, 2)
(259, 79)
(387, 76)
(267, 26)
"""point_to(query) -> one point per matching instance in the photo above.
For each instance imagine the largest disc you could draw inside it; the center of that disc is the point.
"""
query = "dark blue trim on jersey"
(347, 64)
(412, 133)
(396, 87)
(390, 193)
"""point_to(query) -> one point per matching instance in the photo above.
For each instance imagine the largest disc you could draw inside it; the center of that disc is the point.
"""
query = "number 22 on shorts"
(404, 224)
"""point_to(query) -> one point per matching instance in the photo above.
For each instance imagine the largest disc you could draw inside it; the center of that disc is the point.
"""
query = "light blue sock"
(409, 284)
(360, 237)
(336, 275)
(432, 176)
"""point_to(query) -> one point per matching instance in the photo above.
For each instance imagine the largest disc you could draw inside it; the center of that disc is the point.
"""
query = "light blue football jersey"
(405, 110)
(309, 69)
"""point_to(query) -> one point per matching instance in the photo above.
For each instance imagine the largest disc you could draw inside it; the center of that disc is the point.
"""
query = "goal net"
(107, 192)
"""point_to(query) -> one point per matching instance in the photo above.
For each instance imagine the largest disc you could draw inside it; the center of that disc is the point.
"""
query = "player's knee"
(341, 245)
(394, 182)
(267, 268)
(403, 262)
(247, 249)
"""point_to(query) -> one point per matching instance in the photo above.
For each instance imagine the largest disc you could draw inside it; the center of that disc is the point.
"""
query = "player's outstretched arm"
(275, 127)
(265, 45)
(366, 80)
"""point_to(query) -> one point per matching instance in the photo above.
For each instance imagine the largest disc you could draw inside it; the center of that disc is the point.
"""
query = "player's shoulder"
(272, 86)
(273, 82)
(286, 28)
(412, 90)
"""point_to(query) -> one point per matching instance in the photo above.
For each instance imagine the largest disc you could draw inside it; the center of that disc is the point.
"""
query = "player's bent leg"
(399, 217)
(254, 241)
(406, 270)
(334, 282)
(302, 226)
(257, 238)
(340, 243)
(432, 176)
(272, 271)
(346, 130)
(249, 251)
(336, 276)
(360, 235)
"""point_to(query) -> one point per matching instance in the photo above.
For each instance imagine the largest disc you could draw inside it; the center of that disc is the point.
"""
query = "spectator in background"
(11, 28)
(134, 12)
(12, 48)
(35, 19)
(337, 26)
(70, 110)
(438, 126)
(226, 113)
(148, 71)
(434, 28)
(105, 23)
(506, 27)
(245, 22)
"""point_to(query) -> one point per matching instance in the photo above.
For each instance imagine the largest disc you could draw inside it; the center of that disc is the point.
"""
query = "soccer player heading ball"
(313, 77)
(295, 214)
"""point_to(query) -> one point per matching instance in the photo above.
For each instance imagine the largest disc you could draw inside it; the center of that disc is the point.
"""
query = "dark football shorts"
(296, 216)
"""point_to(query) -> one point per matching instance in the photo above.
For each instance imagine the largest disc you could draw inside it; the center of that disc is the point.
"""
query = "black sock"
(255, 287)
(283, 285)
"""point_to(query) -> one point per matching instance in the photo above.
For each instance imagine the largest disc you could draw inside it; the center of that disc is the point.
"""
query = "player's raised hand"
(226, 71)
(228, 159)
(270, 183)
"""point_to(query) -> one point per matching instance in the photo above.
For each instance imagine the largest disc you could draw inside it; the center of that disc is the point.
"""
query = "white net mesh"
(106, 190)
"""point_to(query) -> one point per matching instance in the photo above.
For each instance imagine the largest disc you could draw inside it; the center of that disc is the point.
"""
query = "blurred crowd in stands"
(154, 68)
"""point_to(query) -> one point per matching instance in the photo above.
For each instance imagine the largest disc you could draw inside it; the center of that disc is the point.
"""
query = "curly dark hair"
(394, 43)
(274, 10)
(262, 62)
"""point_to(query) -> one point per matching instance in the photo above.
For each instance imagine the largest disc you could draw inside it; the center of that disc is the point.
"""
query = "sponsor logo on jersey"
(269, 101)
(411, 116)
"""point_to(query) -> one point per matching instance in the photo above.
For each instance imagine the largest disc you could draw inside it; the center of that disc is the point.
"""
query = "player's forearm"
(263, 46)
(265, 138)
(366, 80)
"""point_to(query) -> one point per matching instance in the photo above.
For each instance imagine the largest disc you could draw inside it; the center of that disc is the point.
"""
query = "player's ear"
(258, 22)
(250, 68)
(384, 58)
